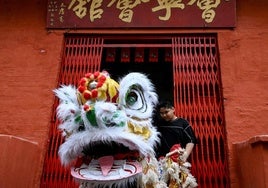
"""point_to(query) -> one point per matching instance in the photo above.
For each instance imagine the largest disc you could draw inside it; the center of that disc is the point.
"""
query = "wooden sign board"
(82, 14)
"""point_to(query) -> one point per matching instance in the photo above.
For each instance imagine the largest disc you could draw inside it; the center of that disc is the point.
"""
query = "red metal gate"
(198, 98)
(80, 55)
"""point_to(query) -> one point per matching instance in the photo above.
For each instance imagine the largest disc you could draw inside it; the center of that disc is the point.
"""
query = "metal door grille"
(198, 98)
(80, 55)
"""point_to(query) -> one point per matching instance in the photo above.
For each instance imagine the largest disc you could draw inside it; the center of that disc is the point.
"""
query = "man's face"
(167, 113)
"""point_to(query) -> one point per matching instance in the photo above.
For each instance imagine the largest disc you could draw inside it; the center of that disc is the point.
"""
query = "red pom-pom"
(82, 81)
(81, 89)
(96, 74)
(86, 107)
(94, 93)
(102, 78)
(87, 95)
(99, 84)
(88, 75)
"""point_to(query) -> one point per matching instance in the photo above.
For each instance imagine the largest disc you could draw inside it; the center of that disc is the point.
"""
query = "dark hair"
(165, 104)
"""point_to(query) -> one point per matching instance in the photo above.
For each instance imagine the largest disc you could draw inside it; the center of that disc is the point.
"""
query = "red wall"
(29, 64)
(244, 66)
(30, 59)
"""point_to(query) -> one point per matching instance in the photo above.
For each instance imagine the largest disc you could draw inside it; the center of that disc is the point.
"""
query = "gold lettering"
(79, 8)
(191, 2)
(52, 6)
(207, 6)
(125, 6)
(208, 15)
(95, 10)
(61, 19)
(62, 9)
(168, 4)
(126, 15)
(62, 12)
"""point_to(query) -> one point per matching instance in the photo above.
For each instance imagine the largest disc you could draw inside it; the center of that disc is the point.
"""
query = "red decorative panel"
(83, 14)
(198, 98)
(80, 55)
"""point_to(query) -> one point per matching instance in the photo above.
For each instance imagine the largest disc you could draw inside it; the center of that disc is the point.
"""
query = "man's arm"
(188, 150)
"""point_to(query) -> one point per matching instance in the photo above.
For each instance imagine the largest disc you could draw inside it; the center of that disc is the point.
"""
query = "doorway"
(152, 62)
(185, 67)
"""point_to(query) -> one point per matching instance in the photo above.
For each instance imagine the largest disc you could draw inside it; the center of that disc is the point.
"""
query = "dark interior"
(160, 72)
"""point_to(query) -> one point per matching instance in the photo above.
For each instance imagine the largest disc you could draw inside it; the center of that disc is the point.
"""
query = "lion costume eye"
(135, 98)
(131, 98)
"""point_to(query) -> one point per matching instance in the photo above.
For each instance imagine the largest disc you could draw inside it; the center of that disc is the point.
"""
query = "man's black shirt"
(178, 131)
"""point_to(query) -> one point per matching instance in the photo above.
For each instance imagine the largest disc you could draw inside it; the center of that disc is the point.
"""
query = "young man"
(174, 130)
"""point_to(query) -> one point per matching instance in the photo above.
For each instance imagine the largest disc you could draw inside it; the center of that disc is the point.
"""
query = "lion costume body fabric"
(108, 131)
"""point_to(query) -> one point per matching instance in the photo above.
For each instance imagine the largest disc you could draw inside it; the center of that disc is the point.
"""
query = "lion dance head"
(107, 127)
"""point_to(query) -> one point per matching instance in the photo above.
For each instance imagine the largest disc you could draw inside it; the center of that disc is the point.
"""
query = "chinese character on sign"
(52, 9)
(207, 7)
(168, 4)
(95, 10)
(62, 12)
(81, 9)
(126, 7)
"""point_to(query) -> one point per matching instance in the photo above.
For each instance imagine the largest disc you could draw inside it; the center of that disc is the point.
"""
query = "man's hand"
(184, 156)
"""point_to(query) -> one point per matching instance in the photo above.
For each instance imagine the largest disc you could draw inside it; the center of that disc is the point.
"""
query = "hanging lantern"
(110, 55)
(168, 55)
(139, 55)
(125, 55)
(153, 55)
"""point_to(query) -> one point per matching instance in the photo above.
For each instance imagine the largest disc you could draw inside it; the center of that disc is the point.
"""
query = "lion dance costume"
(109, 136)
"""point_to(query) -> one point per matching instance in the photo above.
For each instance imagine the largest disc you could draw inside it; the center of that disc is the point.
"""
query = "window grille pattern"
(198, 98)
